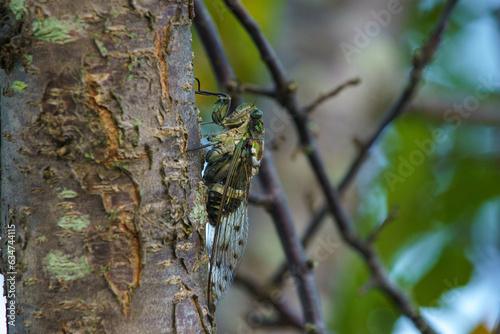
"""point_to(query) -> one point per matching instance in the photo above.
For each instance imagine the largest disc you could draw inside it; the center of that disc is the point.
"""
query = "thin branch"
(262, 200)
(289, 100)
(275, 67)
(420, 61)
(212, 43)
(334, 92)
(260, 294)
(280, 210)
(421, 58)
(367, 287)
(312, 228)
(247, 88)
(294, 251)
(487, 113)
(376, 232)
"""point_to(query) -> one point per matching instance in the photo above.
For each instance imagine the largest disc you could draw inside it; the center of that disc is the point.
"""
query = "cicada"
(233, 159)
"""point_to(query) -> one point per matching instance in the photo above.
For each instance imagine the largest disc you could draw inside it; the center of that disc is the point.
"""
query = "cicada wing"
(224, 265)
(228, 238)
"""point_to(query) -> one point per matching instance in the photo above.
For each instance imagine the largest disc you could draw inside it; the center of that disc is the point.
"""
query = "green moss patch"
(18, 8)
(60, 32)
(19, 86)
(76, 223)
(59, 266)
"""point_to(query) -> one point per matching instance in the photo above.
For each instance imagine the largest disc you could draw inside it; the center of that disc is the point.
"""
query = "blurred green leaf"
(418, 256)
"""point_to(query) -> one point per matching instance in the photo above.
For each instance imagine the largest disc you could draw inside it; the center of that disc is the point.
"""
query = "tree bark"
(100, 202)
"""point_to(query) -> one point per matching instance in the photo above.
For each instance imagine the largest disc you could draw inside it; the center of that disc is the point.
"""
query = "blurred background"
(437, 167)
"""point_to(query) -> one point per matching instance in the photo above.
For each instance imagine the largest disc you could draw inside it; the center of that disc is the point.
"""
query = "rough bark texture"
(98, 110)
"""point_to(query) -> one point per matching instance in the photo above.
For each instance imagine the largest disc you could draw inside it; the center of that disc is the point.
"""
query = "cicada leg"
(217, 155)
(220, 109)
(218, 163)
(211, 143)
(222, 104)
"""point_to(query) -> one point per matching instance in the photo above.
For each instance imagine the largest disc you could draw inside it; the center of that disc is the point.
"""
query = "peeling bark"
(98, 111)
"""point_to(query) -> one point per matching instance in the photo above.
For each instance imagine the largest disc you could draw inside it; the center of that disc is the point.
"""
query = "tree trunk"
(102, 207)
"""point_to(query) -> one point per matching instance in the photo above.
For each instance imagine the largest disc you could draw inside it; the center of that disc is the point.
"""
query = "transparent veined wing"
(226, 240)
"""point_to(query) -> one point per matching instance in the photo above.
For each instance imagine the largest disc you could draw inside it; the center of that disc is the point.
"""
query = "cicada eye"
(256, 114)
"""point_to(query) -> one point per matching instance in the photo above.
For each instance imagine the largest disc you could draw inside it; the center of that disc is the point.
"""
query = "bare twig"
(259, 293)
(376, 232)
(287, 97)
(393, 112)
(312, 228)
(294, 251)
(209, 36)
(487, 113)
(263, 200)
(286, 90)
(324, 97)
(368, 286)
(421, 58)
(276, 69)
(257, 90)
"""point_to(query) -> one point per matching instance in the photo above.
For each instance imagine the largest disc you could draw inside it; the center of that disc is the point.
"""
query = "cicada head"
(256, 124)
